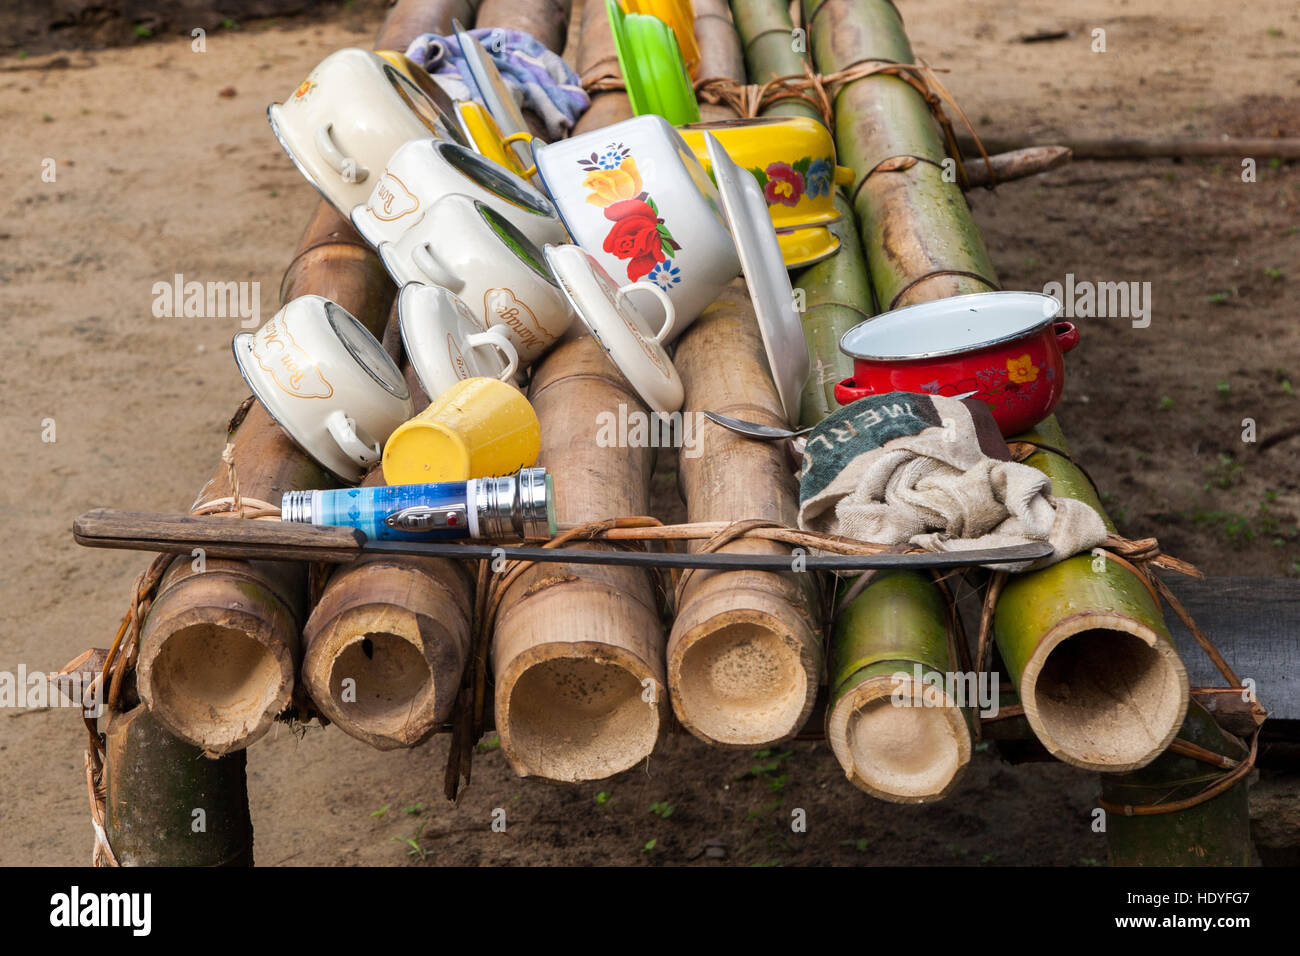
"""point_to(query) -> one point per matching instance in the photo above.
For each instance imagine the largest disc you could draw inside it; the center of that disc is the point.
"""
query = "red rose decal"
(784, 184)
(634, 236)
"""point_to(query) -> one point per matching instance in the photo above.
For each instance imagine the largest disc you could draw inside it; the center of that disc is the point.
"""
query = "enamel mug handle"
(1067, 336)
(344, 432)
(493, 339)
(531, 171)
(348, 168)
(428, 263)
(849, 391)
(844, 176)
(670, 314)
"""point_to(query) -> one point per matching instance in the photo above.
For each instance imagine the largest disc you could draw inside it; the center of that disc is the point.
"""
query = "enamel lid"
(618, 325)
(435, 324)
(765, 274)
(961, 323)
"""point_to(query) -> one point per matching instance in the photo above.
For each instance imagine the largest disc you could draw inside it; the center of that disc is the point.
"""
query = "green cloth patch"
(861, 427)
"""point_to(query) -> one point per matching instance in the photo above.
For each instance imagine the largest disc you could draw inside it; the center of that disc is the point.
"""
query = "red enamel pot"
(1006, 347)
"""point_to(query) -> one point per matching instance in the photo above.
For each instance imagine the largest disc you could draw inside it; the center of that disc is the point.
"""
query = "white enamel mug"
(327, 382)
(343, 123)
(468, 248)
(634, 196)
(446, 342)
(422, 171)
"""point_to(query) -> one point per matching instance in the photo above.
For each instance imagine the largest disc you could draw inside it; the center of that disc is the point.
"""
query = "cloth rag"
(933, 472)
(538, 79)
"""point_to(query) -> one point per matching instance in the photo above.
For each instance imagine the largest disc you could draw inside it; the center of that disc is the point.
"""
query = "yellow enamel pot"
(803, 247)
(792, 157)
(478, 428)
(680, 18)
(483, 132)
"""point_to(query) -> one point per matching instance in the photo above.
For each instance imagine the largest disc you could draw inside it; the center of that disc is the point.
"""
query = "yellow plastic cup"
(478, 428)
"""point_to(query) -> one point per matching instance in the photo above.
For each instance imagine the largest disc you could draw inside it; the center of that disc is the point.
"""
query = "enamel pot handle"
(345, 166)
(670, 313)
(344, 432)
(1067, 336)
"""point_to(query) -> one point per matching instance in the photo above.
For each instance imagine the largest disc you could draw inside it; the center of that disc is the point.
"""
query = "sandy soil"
(158, 172)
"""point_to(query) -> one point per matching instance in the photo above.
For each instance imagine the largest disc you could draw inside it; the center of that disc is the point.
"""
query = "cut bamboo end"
(1104, 692)
(386, 648)
(742, 667)
(212, 673)
(579, 711)
(895, 742)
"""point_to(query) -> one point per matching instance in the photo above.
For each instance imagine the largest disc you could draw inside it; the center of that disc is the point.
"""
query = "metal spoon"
(771, 432)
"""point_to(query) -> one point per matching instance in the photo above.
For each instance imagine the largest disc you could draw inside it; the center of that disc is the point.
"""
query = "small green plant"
(1273, 32)
(414, 809)
(602, 798)
(1166, 403)
(1223, 387)
(767, 863)
(1219, 298)
(649, 846)
(47, 118)
(489, 744)
(861, 844)
(229, 24)
(663, 809)
(1273, 273)
(1286, 387)
(988, 858)
(1224, 474)
(142, 31)
(1089, 861)
(412, 844)
(23, 54)
(379, 814)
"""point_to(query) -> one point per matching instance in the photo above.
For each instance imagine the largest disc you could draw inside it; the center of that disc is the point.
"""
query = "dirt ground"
(164, 164)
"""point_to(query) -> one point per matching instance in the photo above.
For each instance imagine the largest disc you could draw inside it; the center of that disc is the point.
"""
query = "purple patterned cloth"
(539, 79)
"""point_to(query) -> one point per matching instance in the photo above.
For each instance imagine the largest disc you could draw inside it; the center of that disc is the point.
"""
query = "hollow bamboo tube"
(220, 645)
(577, 652)
(1084, 641)
(386, 645)
(913, 222)
(547, 21)
(899, 738)
(720, 52)
(1213, 833)
(166, 805)
(744, 656)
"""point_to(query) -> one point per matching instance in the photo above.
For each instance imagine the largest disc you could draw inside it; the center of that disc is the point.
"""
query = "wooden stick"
(744, 656)
(1254, 147)
(1016, 164)
(547, 21)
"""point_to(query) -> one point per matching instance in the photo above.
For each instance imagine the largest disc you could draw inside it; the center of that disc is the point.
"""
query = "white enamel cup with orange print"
(634, 196)
(423, 171)
(327, 382)
(343, 123)
(469, 248)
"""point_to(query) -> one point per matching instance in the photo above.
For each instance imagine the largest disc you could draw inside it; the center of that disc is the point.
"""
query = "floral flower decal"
(638, 233)
(305, 87)
(818, 178)
(784, 185)
(665, 275)
(608, 186)
(1022, 370)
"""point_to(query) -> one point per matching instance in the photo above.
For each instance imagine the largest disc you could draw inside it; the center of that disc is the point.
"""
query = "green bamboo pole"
(169, 805)
(1086, 646)
(913, 222)
(898, 736)
(836, 291)
(1213, 833)
(836, 297)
